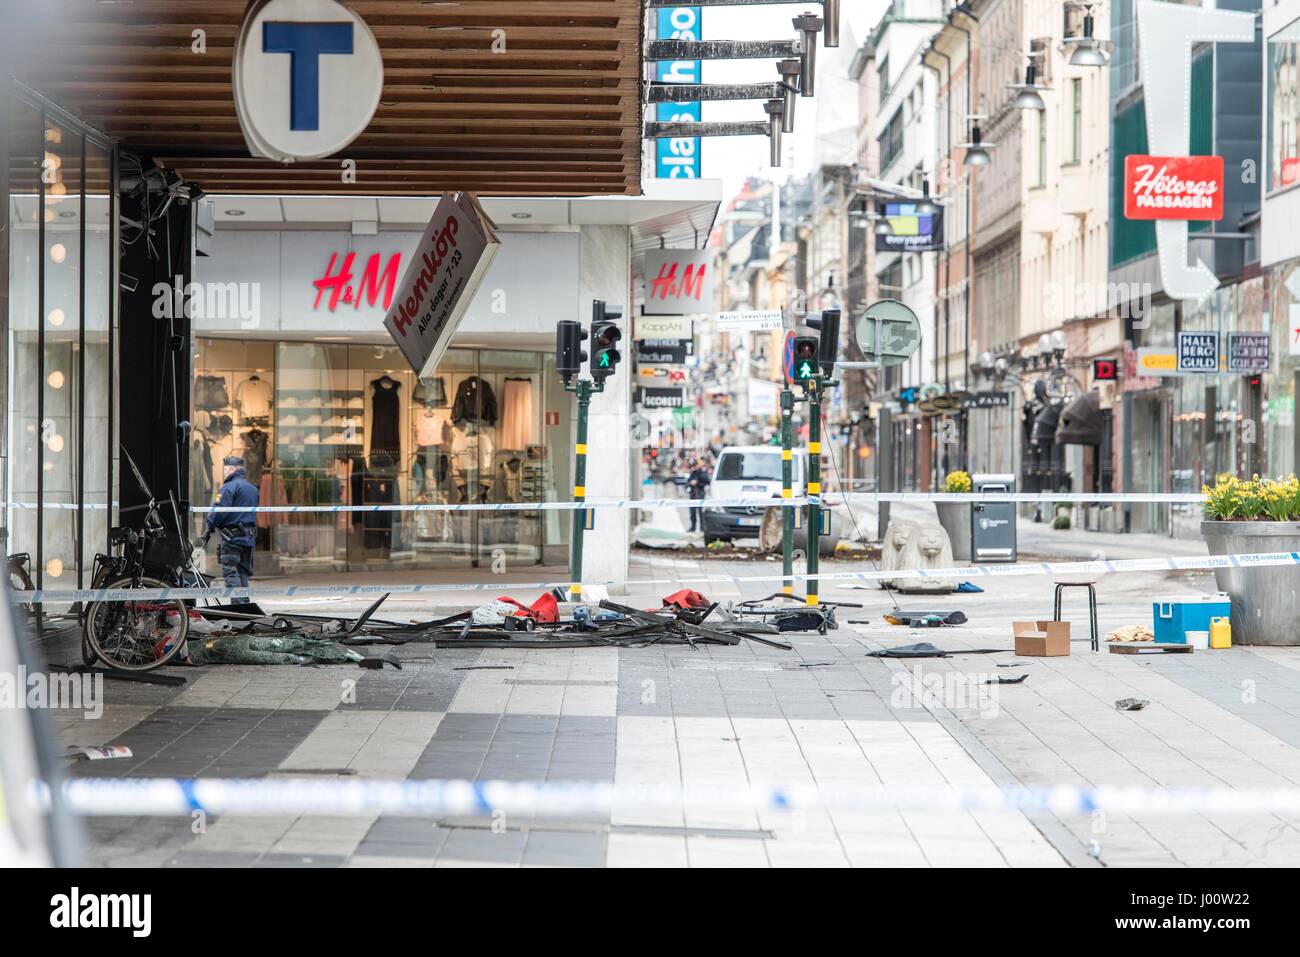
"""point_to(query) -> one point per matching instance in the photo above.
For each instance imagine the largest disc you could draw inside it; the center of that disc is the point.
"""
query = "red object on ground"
(545, 609)
(685, 599)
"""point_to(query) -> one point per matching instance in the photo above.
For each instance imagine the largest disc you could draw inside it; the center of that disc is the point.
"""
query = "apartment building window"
(891, 141)
(1076, 121)
(882, 80)
(1041, 179)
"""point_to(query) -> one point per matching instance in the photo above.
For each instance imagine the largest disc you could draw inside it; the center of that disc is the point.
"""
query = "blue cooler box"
(1174, 617)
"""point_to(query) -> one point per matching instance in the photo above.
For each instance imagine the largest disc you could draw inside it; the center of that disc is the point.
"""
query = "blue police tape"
(828, 498)
(1097, 567)
(170, 797)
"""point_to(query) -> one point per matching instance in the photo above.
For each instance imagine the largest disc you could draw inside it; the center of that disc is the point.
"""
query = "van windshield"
(749, 466)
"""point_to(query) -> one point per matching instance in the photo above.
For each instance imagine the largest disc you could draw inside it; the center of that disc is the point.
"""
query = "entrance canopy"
(496, 96)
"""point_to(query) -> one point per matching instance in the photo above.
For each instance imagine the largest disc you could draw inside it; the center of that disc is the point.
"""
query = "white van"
(749, 472)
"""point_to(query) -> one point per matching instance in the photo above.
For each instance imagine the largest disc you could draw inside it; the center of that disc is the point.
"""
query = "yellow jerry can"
(1220, 633)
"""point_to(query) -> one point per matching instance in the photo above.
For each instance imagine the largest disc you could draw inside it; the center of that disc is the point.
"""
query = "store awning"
(556, 112)
(1081, 422)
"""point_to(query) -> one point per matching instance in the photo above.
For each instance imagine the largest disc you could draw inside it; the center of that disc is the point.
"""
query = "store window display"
(333, 424)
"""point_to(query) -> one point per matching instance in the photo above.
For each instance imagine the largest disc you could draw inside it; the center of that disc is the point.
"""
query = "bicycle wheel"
(136, 635)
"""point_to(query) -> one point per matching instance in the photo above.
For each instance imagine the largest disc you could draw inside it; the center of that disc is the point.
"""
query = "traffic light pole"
(813, 486)
(582, 388)
(787, 490)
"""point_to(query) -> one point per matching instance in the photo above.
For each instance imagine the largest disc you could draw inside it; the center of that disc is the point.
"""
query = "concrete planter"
(1265, 600)
(955, 519)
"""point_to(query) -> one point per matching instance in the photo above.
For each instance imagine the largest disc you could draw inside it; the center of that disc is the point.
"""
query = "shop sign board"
(1166, 35)
(661, 398)
(987, 399)
(678, 282)
(307, 78)
(1153, 361)
(764, 320)
(762, 398)
(679, 157)
(374, 280)
(1248, 352)
(650, 328)
(441, 278)
(910, 231)
(1198, 352)
(1173, 187)
(672, 352)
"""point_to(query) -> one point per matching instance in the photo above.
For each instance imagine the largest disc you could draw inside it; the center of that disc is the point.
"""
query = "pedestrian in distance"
(696, 482)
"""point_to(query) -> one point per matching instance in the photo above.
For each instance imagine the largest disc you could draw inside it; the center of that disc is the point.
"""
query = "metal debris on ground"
(1130, 704)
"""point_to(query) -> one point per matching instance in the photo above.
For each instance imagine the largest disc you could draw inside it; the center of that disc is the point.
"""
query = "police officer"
(238, 530)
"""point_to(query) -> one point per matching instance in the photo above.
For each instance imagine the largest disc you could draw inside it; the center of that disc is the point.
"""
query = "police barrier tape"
(827, 498)
(125, 797)
(1096, 567)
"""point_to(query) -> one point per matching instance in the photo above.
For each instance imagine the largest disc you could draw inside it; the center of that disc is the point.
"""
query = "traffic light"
(805, 358)
(605, 336)
(569, 356)
(828, 338)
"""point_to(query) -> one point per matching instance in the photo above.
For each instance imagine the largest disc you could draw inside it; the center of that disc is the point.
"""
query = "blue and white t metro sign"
(308, 75)
(678, 158)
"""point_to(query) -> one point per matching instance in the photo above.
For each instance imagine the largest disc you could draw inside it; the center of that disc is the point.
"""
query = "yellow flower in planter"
(957, 482)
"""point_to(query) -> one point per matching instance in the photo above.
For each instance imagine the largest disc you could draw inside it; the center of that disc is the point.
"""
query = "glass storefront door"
(60, 394)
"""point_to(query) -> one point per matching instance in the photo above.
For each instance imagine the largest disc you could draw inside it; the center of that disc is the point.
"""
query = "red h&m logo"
(666, 286)
(339, 283)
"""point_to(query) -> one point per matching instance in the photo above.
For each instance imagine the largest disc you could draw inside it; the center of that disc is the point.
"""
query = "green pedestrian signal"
(604, 360)
(805, 359)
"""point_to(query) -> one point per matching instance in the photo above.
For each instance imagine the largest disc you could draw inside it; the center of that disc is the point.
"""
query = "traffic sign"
(787, 356)
(888, 332)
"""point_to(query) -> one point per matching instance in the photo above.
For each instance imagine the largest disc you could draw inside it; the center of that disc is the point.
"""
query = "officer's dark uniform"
(238, 530)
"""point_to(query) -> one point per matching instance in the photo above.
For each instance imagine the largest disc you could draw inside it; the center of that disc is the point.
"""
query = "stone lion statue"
(897, 538)
(927, 548)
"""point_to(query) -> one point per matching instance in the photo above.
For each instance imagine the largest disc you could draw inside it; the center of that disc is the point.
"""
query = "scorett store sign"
(308, 75)
(1167, 32)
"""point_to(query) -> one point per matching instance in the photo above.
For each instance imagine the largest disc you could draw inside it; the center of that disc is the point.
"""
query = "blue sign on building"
(678, 158)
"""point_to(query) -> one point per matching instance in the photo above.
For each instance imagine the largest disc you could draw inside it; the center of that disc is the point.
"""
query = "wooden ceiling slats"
(558, 112)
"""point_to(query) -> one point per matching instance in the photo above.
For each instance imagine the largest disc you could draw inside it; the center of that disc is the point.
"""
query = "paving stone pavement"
(730, 716)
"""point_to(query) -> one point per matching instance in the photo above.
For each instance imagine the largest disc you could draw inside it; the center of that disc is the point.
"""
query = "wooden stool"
(1092, 607)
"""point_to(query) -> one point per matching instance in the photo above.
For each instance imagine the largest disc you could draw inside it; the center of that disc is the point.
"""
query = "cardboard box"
(1041, 639)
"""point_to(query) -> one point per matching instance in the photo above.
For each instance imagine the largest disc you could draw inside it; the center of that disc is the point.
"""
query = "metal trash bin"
(993, 524)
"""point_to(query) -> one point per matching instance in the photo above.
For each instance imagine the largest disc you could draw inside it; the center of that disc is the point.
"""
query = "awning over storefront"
(1081, 421)
(504, 97)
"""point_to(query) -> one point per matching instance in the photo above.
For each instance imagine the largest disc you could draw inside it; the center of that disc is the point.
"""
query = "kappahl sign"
(1167, 33)
(1173, 187)
(307, 78)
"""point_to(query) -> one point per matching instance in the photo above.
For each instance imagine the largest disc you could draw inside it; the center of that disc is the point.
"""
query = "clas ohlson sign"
(308, 75)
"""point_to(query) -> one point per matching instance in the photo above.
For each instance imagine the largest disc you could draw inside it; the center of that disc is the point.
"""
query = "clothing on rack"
(430, 466)
(201, 467)
(219, 427)
(253, 399)
(385, 433)
(516, 432)
(431, 396)
(475, 402)
(509, 480)
(257, 453)
(210, 393)
(432, 428)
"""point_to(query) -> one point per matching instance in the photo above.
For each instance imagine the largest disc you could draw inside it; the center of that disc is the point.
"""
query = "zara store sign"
(308, 75)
